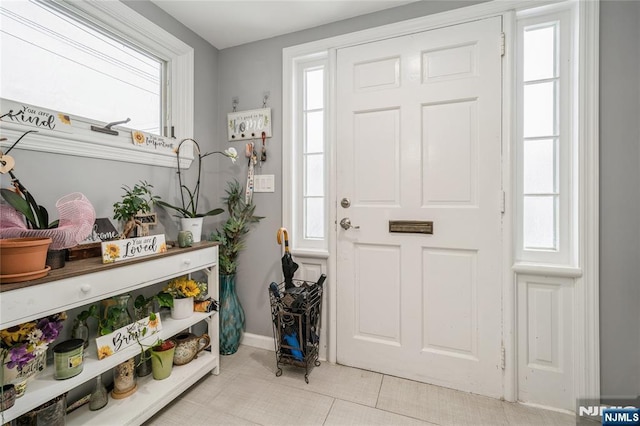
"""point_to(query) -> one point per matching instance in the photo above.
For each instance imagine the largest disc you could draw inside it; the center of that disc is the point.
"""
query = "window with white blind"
(546, 78)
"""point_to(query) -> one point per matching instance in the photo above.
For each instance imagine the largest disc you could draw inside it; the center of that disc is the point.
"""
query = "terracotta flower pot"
(20, 256)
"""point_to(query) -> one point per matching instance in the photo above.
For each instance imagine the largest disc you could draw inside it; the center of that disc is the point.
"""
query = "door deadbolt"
(345, 202)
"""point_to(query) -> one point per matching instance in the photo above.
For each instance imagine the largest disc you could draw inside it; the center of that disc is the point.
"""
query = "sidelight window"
(545, 138)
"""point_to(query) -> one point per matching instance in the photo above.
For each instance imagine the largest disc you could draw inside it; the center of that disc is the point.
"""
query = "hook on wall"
(265, 98)
(234, 103)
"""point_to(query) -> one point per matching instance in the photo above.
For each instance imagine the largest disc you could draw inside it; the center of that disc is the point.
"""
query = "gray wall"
(620, 197)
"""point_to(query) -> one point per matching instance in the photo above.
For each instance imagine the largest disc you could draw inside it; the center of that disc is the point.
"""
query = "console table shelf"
(88, 281)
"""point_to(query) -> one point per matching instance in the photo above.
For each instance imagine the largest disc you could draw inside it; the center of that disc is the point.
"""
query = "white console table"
(88, 281)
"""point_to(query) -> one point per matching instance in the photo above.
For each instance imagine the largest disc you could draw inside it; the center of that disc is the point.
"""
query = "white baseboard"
(258, 341)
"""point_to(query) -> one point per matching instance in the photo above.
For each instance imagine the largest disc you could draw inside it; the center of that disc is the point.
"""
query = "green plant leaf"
(20, 204)
(183, 212)
(213, 212)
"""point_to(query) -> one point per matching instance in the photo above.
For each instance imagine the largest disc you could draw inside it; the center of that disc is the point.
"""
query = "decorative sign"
(147, 218)
(129, 335)
(103, 230)
(249, 124)
(151, 142)
(143, 221)
(130, 248)
(31, 116)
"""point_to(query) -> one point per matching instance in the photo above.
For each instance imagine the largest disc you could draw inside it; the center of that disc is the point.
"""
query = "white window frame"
(293, 158)
(564, 17)
(119, 19)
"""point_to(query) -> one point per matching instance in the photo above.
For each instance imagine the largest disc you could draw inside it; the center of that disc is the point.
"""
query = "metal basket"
(296, 313)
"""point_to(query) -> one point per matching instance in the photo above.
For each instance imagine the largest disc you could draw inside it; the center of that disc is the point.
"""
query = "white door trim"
(586, 316)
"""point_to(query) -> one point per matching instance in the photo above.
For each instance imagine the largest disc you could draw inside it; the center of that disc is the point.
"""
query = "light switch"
(264, 183)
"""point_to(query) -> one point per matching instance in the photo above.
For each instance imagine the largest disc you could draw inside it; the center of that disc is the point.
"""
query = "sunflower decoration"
(183, 287)
(21, 343)
(104, 351)
(111, 252)
(64, 119)
(163, 248)
(138, 137)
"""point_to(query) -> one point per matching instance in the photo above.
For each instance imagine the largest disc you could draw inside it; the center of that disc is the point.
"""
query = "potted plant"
(159, 354)
(191, 219)
(231, 238)
(26, 218)
(136, 200)
(143, 307)
(183, 291)
(23, 349)
(162, 358)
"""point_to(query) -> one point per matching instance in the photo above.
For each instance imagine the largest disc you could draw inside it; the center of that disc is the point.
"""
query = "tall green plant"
(232, 234)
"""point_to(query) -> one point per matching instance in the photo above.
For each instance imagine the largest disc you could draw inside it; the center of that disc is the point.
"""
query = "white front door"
(419, 139)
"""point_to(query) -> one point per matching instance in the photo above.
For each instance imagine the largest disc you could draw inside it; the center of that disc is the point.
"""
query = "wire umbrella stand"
(296, 312)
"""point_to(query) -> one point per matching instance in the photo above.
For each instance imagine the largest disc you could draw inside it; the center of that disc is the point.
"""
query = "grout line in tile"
(379, 391)
(329, 411)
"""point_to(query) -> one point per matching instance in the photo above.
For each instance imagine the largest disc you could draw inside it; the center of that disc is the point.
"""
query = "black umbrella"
(289, 267)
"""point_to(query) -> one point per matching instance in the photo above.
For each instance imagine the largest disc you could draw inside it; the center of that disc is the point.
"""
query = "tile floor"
(247, 392)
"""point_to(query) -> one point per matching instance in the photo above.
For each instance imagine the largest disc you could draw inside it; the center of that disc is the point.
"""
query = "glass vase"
(81, 331)
(231, 316)
(99, 397)
(123, 317)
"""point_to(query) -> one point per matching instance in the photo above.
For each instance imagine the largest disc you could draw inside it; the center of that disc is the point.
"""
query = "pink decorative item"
(77, 217)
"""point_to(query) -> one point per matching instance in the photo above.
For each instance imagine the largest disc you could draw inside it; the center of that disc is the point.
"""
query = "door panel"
(419, 138)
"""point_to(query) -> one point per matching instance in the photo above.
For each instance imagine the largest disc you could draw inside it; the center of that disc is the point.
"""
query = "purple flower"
(19, 357)
(50, 330)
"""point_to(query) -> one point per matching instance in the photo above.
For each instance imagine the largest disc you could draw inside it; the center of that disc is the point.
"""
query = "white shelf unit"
(152, 395)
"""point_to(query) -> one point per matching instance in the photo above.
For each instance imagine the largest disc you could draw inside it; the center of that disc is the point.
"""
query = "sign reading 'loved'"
(130, 248)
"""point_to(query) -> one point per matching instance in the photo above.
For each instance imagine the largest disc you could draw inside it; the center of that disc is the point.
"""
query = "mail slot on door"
(411, 226)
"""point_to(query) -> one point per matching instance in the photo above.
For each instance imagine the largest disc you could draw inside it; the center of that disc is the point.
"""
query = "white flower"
(40, 348)
(35, 336)
(231, 153)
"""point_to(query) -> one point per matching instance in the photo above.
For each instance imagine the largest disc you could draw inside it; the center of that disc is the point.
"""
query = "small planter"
(193, 224)
(182, 308)
(56, 258)
(23, 259)
(162, 359)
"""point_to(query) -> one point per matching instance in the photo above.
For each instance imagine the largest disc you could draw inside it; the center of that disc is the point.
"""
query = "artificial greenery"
(106, 324)
(138, 199)
(237, 226)
(141, 302)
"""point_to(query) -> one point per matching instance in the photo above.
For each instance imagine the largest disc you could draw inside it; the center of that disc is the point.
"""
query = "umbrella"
(289, 267)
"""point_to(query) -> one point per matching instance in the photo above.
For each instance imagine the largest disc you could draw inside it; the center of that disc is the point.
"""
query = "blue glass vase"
(231, 316)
